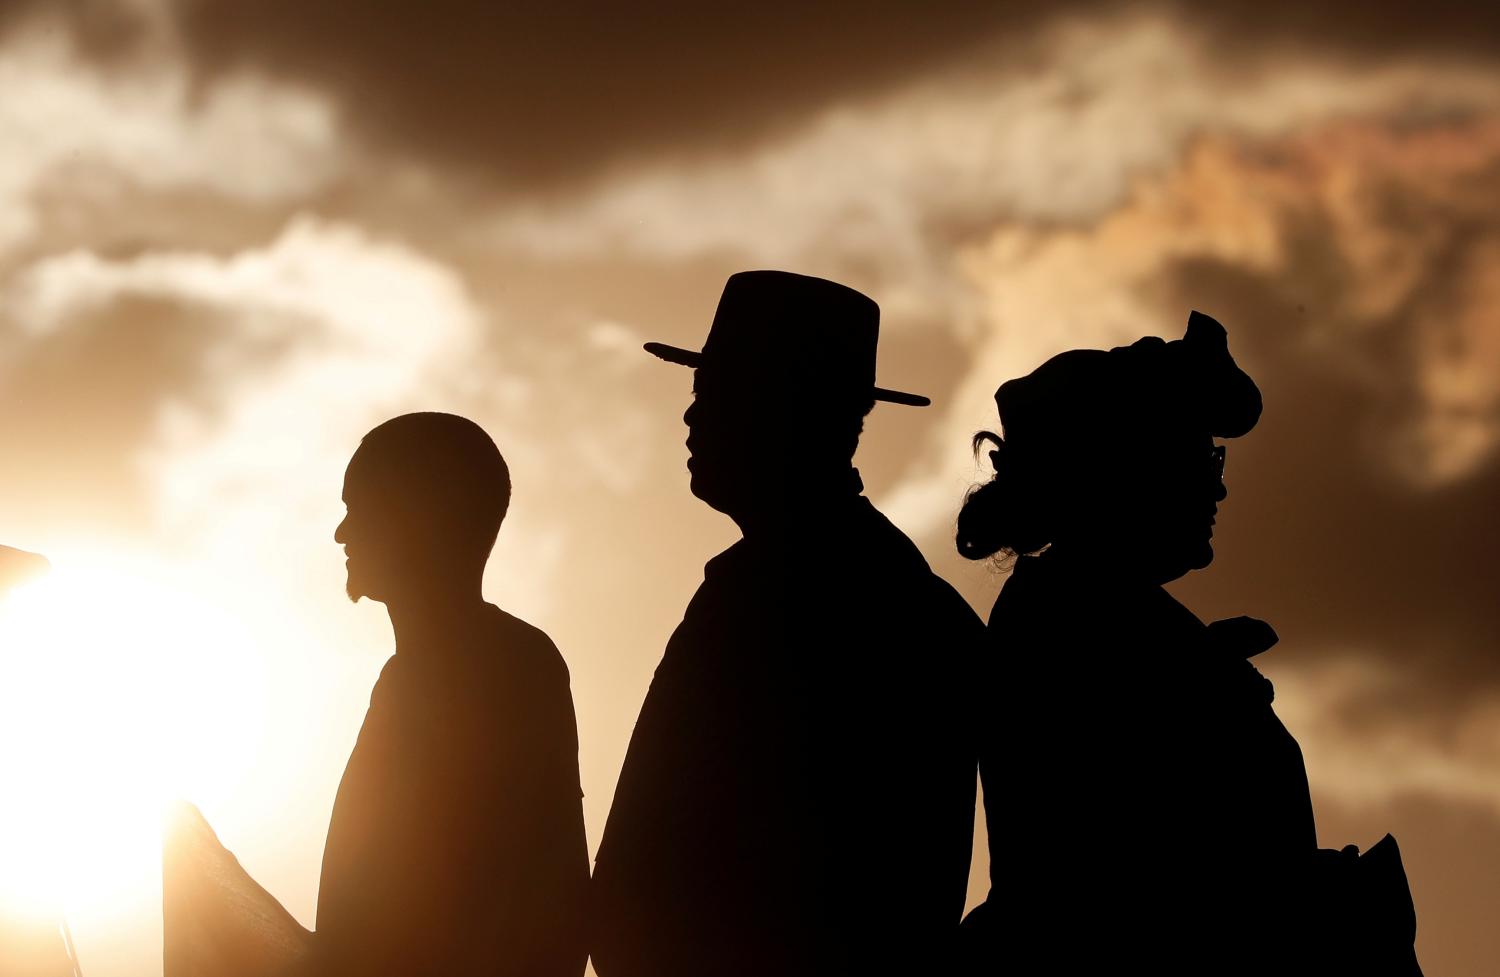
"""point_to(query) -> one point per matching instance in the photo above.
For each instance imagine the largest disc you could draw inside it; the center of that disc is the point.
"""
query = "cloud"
(99, 133)
(80, 403)
(552, 96)
(1336, 214)
(352, 329)
(287, 352)
(1384, 233)
(886, 191)
(529, 95)
(1027, 207)
(1352, 262)
(1344, 259)
(103, 29)
(1359, 760)
(507, 207)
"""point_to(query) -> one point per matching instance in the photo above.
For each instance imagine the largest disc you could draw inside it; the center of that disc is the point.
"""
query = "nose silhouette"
(339, 534)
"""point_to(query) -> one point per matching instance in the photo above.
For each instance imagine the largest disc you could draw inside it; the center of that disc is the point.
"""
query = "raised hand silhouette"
(456, 843)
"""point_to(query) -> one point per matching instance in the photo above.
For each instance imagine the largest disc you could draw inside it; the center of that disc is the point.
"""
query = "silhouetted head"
(1111, 455)
(780, 391)
(425, 495)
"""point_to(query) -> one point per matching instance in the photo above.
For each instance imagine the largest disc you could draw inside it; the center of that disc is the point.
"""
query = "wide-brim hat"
(776, 328)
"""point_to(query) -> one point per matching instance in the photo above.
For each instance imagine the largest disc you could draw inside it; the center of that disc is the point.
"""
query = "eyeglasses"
(1216, 459)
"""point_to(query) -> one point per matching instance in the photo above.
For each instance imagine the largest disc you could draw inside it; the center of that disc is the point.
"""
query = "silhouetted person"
(1146, 807)
(798, 796)
(456, 845)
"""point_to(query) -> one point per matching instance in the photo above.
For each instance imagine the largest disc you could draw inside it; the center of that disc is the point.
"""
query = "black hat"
(775, 326)
(1147, 386)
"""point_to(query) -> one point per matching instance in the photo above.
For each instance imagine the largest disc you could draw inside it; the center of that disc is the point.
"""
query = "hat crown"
(781, 325)
(811, 338)
(1150, 385)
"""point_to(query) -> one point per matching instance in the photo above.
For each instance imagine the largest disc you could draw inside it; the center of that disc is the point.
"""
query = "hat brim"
(690, 358)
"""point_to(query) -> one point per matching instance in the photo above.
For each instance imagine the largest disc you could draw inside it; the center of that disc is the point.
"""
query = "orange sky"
(234, 237)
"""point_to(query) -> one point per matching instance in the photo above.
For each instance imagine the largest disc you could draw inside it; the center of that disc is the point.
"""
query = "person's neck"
(796, 508)
(1116, 562)
(423, 619)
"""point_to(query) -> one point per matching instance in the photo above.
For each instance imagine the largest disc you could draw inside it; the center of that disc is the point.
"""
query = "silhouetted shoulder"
(516, 685)
(738, 558)
(913, 569)
(535, 694)
(501, 681)
(1045, 592)
(530, 649)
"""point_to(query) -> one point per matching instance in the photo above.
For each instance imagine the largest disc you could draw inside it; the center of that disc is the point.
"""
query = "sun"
(122, 688)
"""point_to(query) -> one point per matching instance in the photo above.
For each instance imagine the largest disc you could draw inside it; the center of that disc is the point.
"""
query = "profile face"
(725, 445)
(755, 445)
(1179, 504)
(383, 542)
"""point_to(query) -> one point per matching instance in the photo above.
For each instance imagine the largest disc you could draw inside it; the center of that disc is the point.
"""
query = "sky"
(234, 237)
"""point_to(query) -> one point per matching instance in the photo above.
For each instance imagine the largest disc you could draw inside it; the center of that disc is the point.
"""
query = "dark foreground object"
(798, 797)
(1146, 794)
(1147, 809)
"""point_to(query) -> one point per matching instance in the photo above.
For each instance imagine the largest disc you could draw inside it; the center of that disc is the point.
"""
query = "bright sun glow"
(120, 690)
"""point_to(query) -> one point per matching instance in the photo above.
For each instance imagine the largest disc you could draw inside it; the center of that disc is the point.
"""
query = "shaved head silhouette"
(426, 494)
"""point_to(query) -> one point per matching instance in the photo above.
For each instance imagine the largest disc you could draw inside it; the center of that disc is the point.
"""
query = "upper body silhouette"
(456, 844)
(1144, 801)
(798, 794)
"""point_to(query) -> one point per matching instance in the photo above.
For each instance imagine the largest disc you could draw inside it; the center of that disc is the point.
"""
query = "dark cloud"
(1380, 30)
(1321, 533)
(545, 92)
(85, 401)
(1318, 535)
(540, 93)
(1319, 538)
(103, 30)
(1350, 263)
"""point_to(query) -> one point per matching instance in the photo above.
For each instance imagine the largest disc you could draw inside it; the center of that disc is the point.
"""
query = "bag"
(1362, 920)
